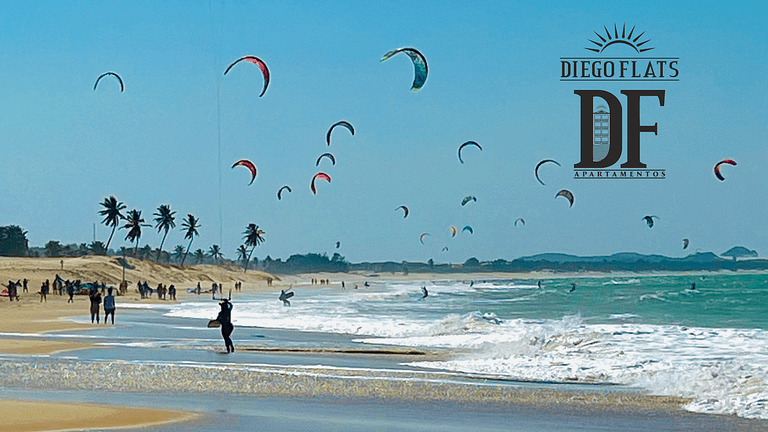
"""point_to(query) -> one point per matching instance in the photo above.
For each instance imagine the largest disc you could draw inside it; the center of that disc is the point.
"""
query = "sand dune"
(110, 270)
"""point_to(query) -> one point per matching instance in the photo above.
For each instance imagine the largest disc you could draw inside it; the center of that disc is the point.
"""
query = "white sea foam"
(621, 282)
(723, 370)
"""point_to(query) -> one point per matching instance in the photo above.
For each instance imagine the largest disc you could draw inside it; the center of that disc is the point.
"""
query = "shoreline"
(27, 323)
(324, 382)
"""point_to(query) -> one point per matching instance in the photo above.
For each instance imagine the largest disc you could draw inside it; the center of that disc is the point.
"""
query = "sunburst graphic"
(625, 39)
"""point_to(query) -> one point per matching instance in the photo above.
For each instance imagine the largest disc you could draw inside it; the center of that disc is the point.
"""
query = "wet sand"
(29, 416)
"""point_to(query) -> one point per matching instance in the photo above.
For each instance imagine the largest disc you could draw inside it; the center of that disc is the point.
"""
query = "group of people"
(316, 281)
(109, 305)
(164, 292)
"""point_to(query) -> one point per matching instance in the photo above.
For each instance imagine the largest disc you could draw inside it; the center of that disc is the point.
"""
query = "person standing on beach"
(10, 290)
(44, 291)
(109, 306)
(25, 285)
(95, 298)
(71, 292)
(172, 292)
(225, 318)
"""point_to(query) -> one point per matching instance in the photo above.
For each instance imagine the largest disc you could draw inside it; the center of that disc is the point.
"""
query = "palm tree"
(145, 252)
(133, 223)
(199, 256)
(242, 254)
(215, 253)
(97, 248)
(178, 252)
(112, 215)
(54, 249)
(253, 237)
(165, 220)
(191, 224)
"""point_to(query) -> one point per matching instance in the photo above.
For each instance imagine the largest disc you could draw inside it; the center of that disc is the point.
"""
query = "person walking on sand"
(109, 306)
(71, 292)
(25, 285)
(95, 298)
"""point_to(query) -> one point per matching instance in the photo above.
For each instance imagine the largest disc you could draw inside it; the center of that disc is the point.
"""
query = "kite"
(468, 228)
(649, 220)
(567, 194)
(280, 192)
(122, 87)
(685, 243)
(248, 164)
(257, 61)
(445, 249)
(405, 210)
(329, 156)
(521, 220)
(468, 199)
(341, 123)
(320, 175)
(453, 231)
(419, 65)
(717, 167)
(536, 171)
(466, 144)
(338, 245)
(421, 237)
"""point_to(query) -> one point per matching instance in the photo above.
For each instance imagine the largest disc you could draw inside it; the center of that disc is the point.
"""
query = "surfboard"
(214, 323)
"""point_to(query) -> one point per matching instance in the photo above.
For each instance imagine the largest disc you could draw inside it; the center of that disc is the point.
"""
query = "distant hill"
(559, 262)
(738, 252)
(621, 257)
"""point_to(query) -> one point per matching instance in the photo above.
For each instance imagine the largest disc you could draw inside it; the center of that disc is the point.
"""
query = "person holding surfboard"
(285, 295)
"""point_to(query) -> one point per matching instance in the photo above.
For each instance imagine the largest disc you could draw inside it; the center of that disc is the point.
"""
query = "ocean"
(650, 332)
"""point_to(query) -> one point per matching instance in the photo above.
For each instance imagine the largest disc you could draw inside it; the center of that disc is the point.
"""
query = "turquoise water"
(732, 300)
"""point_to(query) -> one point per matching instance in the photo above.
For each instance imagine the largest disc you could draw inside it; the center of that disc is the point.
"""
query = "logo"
(602, 112)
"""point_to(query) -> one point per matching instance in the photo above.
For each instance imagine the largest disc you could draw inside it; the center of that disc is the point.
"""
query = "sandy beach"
(30, 317)
(28, 416)
(51, 347)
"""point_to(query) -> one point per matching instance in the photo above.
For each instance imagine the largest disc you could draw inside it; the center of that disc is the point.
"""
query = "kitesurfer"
(225, 318)
(284, 296)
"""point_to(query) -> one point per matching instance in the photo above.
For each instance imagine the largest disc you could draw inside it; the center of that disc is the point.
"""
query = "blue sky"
(493, 78)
